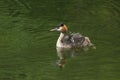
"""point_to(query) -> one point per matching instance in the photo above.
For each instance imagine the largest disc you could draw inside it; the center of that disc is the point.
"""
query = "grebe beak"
(55, 29)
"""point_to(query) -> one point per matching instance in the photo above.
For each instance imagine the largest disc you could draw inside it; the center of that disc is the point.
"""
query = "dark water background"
(27, 48)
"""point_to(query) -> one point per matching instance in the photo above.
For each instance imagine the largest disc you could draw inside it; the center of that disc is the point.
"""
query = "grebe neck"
(59, 41)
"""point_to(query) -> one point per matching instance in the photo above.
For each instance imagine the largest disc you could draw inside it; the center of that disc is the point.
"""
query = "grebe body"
(71, 40)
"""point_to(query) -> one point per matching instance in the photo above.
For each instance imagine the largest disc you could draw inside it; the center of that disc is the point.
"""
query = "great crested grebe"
(72, 40)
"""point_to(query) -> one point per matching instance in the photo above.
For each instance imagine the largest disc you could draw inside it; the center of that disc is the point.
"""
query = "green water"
(27, 48)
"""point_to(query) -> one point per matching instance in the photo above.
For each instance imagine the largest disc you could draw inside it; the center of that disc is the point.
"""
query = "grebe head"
(61, 28)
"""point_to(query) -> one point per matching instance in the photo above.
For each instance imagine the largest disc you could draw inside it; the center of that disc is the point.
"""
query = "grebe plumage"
(71, 40)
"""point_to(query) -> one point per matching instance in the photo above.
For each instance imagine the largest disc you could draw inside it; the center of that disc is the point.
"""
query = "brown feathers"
(64, 29)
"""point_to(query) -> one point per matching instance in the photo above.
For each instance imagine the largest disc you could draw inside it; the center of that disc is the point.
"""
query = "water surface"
(27, 48)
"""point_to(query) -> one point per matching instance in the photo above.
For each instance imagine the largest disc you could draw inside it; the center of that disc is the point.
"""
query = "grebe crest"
(63, 28)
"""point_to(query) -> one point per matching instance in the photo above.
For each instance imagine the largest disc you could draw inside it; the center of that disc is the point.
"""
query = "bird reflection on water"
(66, 53)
